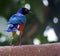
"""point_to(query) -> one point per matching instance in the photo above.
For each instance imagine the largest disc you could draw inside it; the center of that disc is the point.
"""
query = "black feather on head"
(23, 11)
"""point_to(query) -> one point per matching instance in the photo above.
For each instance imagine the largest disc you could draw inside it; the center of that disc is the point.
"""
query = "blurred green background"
(43, 25)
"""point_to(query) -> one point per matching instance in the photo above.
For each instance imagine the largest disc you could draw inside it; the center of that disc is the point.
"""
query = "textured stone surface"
(31, 50)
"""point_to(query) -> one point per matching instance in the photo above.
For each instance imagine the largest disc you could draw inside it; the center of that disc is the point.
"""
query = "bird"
(17, 21)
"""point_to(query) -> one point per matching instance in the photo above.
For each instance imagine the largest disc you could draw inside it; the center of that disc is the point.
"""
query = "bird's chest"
(23, 20)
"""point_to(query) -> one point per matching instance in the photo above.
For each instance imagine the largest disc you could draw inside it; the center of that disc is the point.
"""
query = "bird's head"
(24, 11)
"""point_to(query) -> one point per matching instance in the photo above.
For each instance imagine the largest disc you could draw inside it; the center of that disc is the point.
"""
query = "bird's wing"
(11, 28)
(17, 20)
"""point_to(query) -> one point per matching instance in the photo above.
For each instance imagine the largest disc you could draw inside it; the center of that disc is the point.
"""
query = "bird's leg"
(21, 32)
(19, 40)
(12, 34)
(12, 37)
(21, 27)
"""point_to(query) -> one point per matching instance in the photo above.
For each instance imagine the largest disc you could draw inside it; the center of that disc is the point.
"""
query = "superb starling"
(18, 19)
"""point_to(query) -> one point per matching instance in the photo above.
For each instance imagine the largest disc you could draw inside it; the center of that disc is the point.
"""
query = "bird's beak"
(30, 11)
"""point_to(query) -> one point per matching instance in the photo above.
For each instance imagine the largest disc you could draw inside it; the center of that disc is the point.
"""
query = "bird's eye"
(26, 10)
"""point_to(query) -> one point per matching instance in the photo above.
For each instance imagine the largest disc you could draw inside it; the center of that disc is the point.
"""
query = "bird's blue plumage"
(14, 21)
(17, 19)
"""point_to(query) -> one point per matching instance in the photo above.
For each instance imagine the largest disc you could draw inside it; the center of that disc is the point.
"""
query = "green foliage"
(15, 39)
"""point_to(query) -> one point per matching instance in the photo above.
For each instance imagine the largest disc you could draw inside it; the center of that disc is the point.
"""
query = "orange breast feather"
(21, 28)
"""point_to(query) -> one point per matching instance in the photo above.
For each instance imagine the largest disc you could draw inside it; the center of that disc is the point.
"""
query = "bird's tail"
(11, 28)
